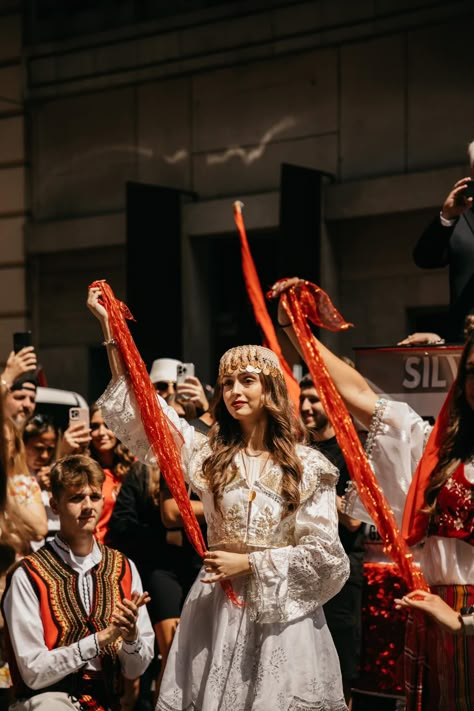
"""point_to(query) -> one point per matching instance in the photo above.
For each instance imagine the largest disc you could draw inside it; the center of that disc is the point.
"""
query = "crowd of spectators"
(139, 518)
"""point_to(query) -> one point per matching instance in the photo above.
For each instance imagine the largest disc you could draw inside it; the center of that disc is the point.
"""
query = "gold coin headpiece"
(253, 359)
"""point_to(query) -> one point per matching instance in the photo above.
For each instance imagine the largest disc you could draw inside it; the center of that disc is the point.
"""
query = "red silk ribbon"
(306, 302)
(159, 431)
(415, 520)
(257, 299)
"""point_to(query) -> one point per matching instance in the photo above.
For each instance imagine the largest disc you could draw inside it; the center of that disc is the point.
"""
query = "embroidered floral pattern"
(228, 528)
(262, 527)
(454, 515)
(236, 678)
(229, 658)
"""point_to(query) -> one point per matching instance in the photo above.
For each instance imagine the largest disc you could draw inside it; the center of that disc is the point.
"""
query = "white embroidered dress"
(394, 447)
(276, 651)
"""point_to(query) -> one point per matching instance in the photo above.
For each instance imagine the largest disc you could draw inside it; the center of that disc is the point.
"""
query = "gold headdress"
(253, 359)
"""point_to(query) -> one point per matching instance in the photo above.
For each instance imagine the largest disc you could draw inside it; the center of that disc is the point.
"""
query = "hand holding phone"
(459, 199)
(79, 415)
(21, 360)
(77, 436)
(183, 371)
(22, 339)
(468, 191)
(190, 388)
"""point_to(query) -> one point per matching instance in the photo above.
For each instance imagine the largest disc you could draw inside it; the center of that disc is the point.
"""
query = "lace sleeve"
(120, 411)
(394, 447)
(290, 582)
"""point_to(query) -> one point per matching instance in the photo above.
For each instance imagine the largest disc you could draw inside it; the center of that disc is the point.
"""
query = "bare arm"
(35, 521)
(18, 364)
(352, 524)
(358, 396)
(170, 513)
(117, 367)
(433, 606)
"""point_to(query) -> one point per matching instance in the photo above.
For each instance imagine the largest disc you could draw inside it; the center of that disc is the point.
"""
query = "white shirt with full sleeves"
(41, 667)
(394, 447)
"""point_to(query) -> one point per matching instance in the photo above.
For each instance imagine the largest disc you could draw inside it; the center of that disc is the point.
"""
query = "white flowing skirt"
(222, 661)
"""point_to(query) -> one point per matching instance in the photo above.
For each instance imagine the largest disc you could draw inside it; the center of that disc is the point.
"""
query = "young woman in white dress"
(270, 508)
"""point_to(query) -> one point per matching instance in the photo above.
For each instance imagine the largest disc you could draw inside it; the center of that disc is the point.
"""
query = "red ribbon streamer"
(257, 299)
(415, 521)
(307, 302)
(155, 423)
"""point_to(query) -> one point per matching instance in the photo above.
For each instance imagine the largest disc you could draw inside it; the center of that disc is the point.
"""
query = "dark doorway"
(99, 372)
(153, 269)
(232, 319)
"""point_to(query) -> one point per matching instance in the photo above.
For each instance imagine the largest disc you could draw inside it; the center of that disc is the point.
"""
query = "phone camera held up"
(79, 415)
(22, 339)
(183, 371)
(468, 191)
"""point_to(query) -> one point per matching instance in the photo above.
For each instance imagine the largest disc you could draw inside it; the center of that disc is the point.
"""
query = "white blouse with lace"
(394, 447)
(275, 651)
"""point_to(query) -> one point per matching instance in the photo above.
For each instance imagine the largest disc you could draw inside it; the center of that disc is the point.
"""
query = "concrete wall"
(14, 314)
(370, 94)
(379, 94)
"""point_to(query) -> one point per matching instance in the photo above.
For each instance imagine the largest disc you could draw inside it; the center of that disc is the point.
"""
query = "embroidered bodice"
(297, 558)
(395, 444)
(252, 517)
(454, 515)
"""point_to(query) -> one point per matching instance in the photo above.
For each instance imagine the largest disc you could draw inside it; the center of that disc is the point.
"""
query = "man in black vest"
(449, 241)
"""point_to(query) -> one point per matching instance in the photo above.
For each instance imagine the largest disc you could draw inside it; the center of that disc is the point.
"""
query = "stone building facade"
(210, 100)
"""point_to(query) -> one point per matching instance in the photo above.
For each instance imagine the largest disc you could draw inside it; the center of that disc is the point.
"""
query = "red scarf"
(304, 303)
(162, 436)
(415, 521)
(257, 299)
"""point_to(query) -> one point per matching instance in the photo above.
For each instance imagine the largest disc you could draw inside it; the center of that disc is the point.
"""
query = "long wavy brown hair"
(458, 444)
(225, 440)
(13, 531)
(123, 459)
(16, 455)
(3, 459)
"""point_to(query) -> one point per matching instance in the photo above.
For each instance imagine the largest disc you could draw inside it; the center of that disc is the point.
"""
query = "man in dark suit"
(449, 241)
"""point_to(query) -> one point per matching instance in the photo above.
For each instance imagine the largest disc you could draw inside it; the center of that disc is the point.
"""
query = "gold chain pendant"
(252, 494)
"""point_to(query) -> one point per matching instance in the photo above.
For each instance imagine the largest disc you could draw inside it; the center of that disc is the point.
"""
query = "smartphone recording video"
(79, 415)
(468, 191)
(21, 339)
(183, 371)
